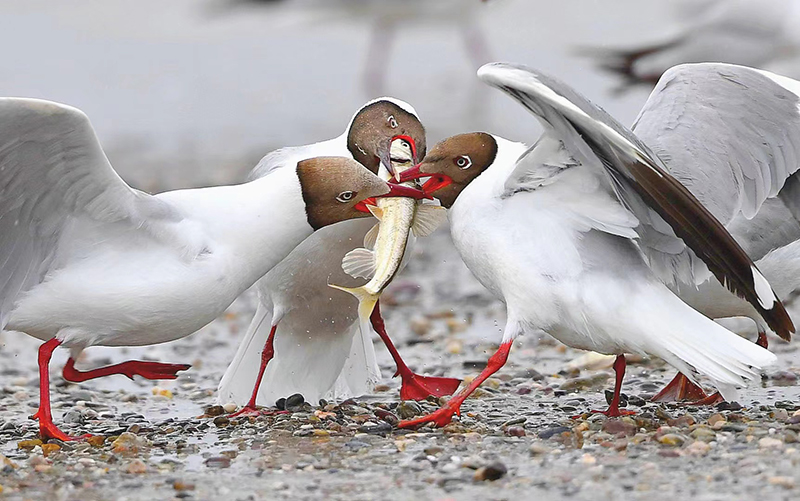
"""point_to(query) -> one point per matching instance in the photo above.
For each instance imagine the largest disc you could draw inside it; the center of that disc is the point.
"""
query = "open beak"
(398, 190)
(395, 190)
(436, 181)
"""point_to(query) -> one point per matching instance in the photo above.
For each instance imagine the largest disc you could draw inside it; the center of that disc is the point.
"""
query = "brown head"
(336, 189)
(376, 125)
(453, 163)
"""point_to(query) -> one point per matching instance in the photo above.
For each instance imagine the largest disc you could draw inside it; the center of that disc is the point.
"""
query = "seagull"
(310, 335)
(86, 260)
(746, 32)
(770, 231)
(580, 233)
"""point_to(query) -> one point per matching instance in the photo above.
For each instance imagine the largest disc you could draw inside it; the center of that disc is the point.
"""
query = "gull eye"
(463, 162)
(345, 196)
(392, 122)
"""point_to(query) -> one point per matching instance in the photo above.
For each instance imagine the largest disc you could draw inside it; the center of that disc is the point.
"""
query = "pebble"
(785, 482)
(515, 431)
(294, 403)
(221, 421)
(48, 449)
(493, 471)
(538, 449)
(128, 443)
(135, 467)
(230, 407)
(698, 448)
(716, 418)
(161, 392)
(672, 439)
(770, 443)
(619, 426)
(28, 444)
(218, 462)
(215, 410)
(408, 409)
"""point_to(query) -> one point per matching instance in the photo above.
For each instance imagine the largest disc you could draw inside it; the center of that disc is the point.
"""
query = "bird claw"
(48, 430)
(440, 418)
(611, 412)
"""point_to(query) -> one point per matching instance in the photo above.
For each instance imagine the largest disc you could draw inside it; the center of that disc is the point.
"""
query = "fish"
(385, 244)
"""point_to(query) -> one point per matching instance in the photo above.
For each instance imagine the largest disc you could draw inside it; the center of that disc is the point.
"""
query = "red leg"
(680, 389)
(444, 415)
(613, 409)
(414, 386)
(762, 339)
(48, 429)
(148, 370)
(266, 355)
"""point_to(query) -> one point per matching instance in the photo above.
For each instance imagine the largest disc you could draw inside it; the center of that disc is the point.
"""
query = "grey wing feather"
(730, 134)
(640, 180)
(53, 169)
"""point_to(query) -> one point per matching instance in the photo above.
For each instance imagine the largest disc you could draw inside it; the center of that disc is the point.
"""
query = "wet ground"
(185, 96)
(168, 440)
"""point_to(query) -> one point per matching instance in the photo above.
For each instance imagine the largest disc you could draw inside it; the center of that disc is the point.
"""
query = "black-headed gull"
(579, 233)
(86, 260)
(748, 32)
(307, 333)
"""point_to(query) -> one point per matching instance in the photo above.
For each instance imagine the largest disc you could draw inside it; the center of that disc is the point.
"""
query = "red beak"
(395, 190)
(436, 181)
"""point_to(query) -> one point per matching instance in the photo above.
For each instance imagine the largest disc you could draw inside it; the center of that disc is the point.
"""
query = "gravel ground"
(527, 432)
(178, 101)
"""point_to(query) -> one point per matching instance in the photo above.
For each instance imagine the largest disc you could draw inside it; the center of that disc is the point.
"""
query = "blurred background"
(193, 92)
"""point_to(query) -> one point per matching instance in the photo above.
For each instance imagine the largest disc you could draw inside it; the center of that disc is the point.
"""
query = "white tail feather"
(695, 344)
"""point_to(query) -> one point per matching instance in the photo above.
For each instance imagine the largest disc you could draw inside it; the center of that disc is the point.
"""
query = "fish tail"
(366, 303)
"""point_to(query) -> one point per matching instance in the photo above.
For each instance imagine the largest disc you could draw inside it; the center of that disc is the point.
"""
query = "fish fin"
(360, 263)
(366, 303)
(371, 237)
(427, 219)
(376, 211)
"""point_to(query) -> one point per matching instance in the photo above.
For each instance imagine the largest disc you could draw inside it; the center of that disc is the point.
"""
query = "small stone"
(408, 409)
(96, 440)
(703, 433)
(515, 431)
(179, 485)
(387, 416)
(218, 462)
(588, 460)
(420, 325)
(161, 392)
(295, 403)
(698, 448)
(785, 482)
(5, 462)
(538, 449)
(716, 418)
(36, 460)
(491, 472)
(128, 443)
(770, 443)
(454, 347)
(671, 439)
(229, 407)
(619, 426)
(215, 410)
(28, 444)
(48, 449)
(321, 433)
(135, 467)
(221, 421)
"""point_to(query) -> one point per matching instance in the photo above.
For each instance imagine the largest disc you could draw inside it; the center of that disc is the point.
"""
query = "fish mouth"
(402, 151)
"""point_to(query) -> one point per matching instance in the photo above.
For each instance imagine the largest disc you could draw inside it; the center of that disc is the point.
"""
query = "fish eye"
(392, 122)
(463, 162)
(345, 196)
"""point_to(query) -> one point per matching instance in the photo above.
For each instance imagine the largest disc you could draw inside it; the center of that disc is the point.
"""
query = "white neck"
(253, 226)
